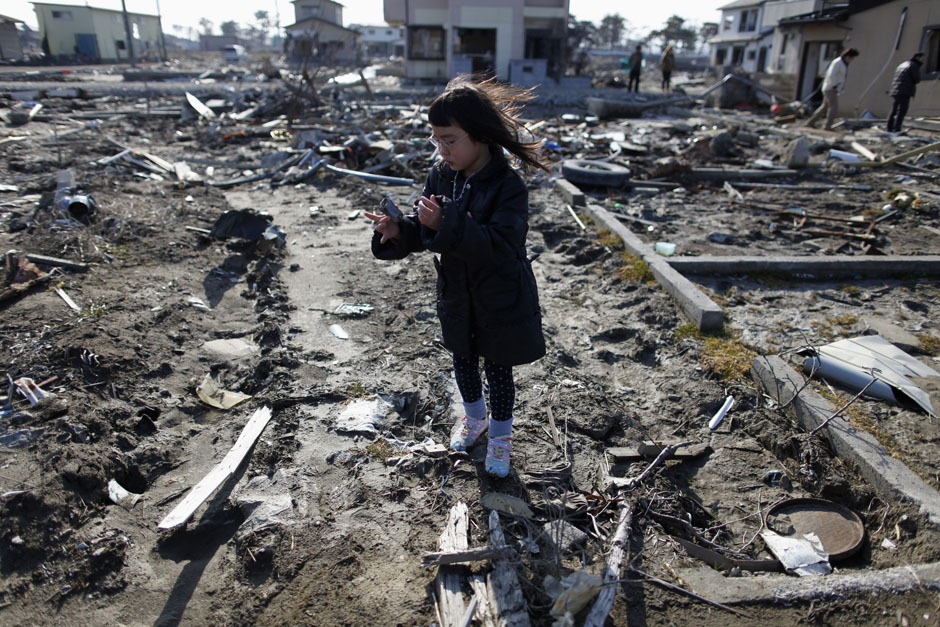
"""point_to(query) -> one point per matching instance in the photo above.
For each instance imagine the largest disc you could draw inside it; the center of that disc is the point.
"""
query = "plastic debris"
(804, 556)
(210, 393)
(339, 332)
(720, 414)
(364, 415)
(572, 593)
(121, 496)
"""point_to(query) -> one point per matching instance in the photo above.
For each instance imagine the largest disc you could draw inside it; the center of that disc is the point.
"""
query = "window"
(62, 15)
(930, 45)
(749, 21)
(370, 31)
(426, 42)
(727, 22)
(751, 54)
(737, 55)
(119, 44)
(720, 55)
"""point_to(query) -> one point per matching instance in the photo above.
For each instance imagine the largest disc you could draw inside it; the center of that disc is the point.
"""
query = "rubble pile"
(220, 409)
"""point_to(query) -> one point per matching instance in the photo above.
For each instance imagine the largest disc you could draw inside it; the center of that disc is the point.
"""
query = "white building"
(381, 41)
(518, 40)
(318, 33)
(743, 40)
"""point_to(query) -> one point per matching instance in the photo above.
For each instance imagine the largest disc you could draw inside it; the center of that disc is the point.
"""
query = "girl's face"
(459, 150)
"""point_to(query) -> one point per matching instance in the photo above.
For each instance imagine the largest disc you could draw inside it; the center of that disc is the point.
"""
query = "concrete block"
(888, 475)
(812, 267)
(699, 308)
(712, 585)
(573, 196)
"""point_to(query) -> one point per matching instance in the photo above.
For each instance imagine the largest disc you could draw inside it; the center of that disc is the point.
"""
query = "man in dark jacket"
(903, 87)
(636, 64)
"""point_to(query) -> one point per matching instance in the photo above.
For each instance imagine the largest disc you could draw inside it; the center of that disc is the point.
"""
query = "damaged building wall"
(886, 35)
(874, 33)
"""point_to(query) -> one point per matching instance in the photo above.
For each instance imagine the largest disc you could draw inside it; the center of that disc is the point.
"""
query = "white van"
(233, 53)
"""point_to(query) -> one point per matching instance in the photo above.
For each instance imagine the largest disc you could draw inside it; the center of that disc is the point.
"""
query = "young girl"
(474, 214)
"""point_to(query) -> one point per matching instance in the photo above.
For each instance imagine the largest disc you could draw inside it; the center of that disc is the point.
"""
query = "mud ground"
(323, 526)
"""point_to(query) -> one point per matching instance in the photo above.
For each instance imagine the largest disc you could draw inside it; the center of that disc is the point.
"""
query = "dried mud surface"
(325, 527)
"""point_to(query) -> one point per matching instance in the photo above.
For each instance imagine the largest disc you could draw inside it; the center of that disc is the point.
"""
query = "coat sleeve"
(500, 239)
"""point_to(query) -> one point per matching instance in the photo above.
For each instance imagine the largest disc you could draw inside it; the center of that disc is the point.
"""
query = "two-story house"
(742, 40)
(518, 40)
(381, 41)
(318, 33)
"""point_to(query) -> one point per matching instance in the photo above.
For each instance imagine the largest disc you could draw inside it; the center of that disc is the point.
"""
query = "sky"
(640, 15)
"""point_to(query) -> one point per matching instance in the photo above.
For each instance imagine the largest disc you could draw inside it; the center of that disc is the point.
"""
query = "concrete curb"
(888, 475)
(712, 585)
(699, 308)
(573, 195)
(812, 267)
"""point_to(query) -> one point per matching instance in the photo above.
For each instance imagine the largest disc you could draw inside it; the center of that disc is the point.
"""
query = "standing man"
(636, 64)
(833, 84)
(903, 87)
(666, 63)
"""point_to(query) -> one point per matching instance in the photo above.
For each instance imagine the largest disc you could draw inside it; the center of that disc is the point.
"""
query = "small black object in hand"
(392, 211)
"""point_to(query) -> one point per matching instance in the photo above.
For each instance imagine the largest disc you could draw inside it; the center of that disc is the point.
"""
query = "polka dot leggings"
(499, 378)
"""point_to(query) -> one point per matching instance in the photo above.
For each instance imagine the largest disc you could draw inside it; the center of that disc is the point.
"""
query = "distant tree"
(229, 28)
(581, 34)
(675, 32)
(706, 32)
(206, 25)
(264, 25)
(611, 31)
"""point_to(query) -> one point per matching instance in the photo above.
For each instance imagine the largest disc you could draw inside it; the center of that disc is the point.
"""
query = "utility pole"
(160, 26)
(129, 34)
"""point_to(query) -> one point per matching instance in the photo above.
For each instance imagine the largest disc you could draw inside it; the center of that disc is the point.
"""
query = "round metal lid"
(838, 528)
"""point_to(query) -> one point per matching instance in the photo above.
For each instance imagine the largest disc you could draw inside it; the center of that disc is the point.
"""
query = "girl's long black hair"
(488, 111)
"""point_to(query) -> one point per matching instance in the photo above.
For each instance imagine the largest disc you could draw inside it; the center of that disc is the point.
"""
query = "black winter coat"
(906, 76)
(487, 299)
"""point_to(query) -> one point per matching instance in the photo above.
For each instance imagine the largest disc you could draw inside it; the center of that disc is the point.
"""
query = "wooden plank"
(43, 260)
(454, 538)
(461, 557)
(502, 583)
(649, 450)
(865, 152)
(202, 490)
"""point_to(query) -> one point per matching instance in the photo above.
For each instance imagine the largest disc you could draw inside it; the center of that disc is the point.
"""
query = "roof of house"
(4, 18)
(735, 37)
(87, 6)
(740, 4)
(311, 20)
(836, 13)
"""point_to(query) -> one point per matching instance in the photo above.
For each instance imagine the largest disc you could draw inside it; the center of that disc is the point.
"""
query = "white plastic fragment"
(804, 555)
(339, 332)
(121, 496)
(720, 414)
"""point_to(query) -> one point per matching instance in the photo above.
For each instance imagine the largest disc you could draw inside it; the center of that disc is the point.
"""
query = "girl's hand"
(385, 226)
(430, 213)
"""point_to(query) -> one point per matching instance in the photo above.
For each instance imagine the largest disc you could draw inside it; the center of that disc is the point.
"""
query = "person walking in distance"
(667, 63)
(903, 88)
(636, 64)
(833, 85)
(473, 213)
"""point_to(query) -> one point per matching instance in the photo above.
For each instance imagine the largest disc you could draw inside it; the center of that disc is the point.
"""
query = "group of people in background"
(667, 62)
(903, 88)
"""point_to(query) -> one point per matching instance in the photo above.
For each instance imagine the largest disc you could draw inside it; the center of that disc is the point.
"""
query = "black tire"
(588, 172)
